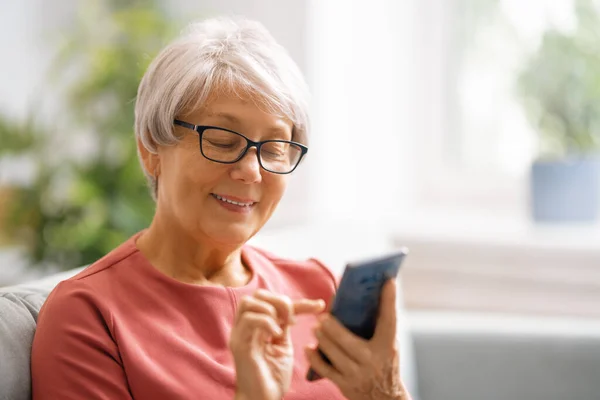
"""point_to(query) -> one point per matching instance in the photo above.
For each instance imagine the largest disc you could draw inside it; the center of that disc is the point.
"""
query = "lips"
(240, 202)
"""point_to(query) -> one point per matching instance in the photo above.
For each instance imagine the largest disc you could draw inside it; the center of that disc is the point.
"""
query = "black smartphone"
(356, 301)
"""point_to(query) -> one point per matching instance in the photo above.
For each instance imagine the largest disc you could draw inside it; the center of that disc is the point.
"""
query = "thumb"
(385, 330)
(285, 338)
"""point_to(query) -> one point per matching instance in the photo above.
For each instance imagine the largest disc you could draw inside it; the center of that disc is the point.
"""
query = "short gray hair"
(210, 57)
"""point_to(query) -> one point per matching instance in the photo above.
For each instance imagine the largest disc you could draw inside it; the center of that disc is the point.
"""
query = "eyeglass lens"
(223, 146)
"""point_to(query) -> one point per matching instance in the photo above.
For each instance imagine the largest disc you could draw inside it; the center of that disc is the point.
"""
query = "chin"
(232, 235)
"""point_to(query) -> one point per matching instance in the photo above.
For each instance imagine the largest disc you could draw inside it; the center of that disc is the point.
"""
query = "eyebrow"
(229, 117)
(276, 132)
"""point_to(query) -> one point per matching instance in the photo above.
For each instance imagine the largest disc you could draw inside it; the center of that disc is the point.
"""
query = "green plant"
(560, 86)
(80, 206)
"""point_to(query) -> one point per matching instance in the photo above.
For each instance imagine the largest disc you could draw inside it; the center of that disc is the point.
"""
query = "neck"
(177, 254)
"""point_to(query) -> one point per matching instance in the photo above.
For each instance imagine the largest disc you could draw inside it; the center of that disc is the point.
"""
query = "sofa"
(445, 356)
(19, 308)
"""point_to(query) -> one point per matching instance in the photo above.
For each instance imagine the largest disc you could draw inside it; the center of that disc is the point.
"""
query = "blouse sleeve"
(74, 355)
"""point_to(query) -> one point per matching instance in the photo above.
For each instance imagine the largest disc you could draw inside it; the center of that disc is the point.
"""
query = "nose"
(248, 168)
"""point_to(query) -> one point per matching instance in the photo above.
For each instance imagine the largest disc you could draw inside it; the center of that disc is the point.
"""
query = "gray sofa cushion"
(19, 308)
(18, 316)
(499, 357)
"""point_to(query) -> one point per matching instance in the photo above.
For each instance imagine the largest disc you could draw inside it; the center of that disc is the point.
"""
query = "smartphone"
(356, 302)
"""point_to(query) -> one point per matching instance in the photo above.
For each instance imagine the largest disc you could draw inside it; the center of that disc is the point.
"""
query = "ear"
(150, 160)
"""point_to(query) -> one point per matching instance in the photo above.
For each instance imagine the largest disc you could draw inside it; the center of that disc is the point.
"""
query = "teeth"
(232, 202)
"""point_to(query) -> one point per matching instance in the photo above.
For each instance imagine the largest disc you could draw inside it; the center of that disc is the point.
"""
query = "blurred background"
(467, 130)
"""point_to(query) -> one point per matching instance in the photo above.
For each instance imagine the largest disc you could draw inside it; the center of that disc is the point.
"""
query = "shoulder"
(312, 266)
(93, 286)
(119, 256)
(73, 306)
(310, 276)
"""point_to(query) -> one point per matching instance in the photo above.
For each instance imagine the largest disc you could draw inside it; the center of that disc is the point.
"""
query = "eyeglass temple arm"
(184, 124)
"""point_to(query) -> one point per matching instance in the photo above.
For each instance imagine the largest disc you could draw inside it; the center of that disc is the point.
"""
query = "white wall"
(361, 68)
(25, 50)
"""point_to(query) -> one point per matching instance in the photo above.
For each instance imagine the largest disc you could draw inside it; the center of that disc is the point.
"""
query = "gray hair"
(212, 57)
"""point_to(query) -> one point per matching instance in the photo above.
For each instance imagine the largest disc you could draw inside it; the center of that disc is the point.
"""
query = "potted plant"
(18, 139)
(560, 89)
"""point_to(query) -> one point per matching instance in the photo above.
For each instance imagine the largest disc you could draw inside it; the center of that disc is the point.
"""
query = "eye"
(221, 144)
(274, 150)
(222, 140)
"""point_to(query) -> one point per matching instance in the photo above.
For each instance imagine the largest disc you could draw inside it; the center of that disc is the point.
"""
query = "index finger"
(308, 306)
(286, 308)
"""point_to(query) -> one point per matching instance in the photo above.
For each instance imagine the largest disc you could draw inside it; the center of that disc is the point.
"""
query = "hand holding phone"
(356, 303)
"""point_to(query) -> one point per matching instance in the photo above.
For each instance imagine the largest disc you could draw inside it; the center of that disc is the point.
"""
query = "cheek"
(201, 179)
(275, 187)
(190, 173)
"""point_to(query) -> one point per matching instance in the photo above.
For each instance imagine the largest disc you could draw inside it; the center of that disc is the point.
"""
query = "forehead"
(241, 110)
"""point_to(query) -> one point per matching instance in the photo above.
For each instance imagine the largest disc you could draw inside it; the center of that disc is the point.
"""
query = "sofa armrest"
(477, 357)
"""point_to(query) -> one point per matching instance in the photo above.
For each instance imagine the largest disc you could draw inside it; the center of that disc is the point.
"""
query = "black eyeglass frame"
(249, 143)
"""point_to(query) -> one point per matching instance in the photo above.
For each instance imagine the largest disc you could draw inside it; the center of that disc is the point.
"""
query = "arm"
(74, 355)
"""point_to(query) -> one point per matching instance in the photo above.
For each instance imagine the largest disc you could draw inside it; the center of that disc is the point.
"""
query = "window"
(477, 144)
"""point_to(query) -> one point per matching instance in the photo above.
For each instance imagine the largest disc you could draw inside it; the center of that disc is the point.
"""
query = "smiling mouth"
(235, 203)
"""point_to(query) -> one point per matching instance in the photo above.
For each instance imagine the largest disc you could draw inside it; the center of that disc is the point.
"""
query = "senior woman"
(185, 309)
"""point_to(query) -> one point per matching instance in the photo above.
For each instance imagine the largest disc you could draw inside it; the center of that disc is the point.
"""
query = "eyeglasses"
(227, 147)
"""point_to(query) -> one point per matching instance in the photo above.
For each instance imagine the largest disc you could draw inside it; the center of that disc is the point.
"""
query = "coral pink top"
(121, 329)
